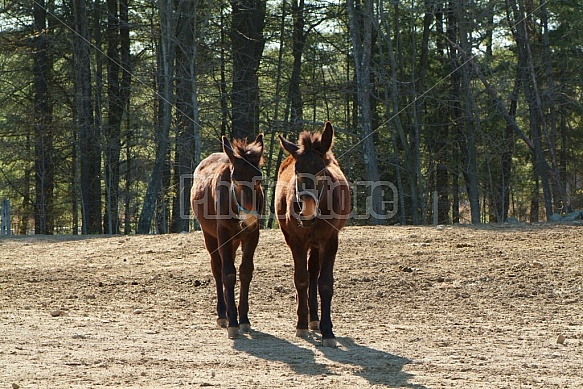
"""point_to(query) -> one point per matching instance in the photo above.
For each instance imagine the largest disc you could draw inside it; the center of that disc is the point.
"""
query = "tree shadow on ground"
(376, 366)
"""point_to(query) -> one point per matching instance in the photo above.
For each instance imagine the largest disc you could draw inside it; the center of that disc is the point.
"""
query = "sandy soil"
(414, 307)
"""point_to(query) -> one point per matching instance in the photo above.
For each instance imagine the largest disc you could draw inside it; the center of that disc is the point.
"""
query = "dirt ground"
(414, 307)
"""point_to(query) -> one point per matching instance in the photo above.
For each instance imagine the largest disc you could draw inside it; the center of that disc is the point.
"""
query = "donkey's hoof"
(232, 332)
(245, 327)
(222, 322)
(330, 343)
(314, 325)
(301, 333)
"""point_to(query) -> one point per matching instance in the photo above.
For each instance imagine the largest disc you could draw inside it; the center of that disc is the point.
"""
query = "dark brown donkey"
(313, 203)
(227, 200)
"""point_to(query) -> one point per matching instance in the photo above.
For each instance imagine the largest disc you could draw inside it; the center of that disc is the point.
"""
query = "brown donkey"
(313, 204)
(227, 200)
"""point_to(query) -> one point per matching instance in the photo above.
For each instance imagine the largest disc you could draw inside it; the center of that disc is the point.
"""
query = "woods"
(108, 106)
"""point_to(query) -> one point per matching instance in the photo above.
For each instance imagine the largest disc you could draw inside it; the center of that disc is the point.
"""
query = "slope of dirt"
(414, 307)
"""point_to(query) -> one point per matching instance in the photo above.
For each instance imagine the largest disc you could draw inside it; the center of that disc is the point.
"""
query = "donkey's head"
(245, 187)
(311, 156)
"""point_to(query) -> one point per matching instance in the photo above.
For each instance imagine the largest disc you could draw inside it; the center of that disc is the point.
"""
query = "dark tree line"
(107, 106)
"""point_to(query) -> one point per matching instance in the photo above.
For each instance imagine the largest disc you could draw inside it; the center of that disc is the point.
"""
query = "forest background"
(470, 108)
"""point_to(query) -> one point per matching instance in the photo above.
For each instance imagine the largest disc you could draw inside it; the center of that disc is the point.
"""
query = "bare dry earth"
(419, 307)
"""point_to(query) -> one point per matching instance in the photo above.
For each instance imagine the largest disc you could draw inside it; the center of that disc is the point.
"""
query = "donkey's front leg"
(245, 275)
(301, 281)
(217, 269)
(314, 270)
(227, 250)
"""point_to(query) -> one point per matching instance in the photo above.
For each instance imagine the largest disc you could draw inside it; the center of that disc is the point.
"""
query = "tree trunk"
(469, 152)
(187, 148)
(563, 162)
(391, 95)
(399, 135)
(418, 84)
(98, 61)
(223, 83)
(502, 192)
(361, 36)
(534, 199)
(525, 59)
(163, 200)
(26, 200)
(276, 120)
(166, 72)
(43, 134)
(128, 215)
(441, 139)
(439, 143)
(455, 96)
(89, 145)
(462, 106)
(463, 113)
(247, 23)
(298, 43)
(119, 80)
(560, 195)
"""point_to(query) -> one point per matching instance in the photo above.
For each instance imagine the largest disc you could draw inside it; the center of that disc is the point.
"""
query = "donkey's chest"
(314, 235)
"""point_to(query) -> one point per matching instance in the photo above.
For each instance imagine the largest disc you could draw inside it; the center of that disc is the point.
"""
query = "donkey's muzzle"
(247, 206)
(308, 206)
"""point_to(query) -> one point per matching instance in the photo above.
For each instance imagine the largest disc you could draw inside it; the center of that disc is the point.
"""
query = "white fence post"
(5, 217)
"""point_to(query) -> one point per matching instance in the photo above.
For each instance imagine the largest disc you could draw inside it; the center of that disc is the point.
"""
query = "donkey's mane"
(313, 141)
(251, 152)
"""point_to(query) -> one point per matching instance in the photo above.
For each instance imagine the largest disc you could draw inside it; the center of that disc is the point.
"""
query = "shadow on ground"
(376, 366)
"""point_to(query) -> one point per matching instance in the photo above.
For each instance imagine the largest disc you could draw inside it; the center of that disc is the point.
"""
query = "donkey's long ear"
(327, 137)
(290, 147)
(228, 149)
(259, 141)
